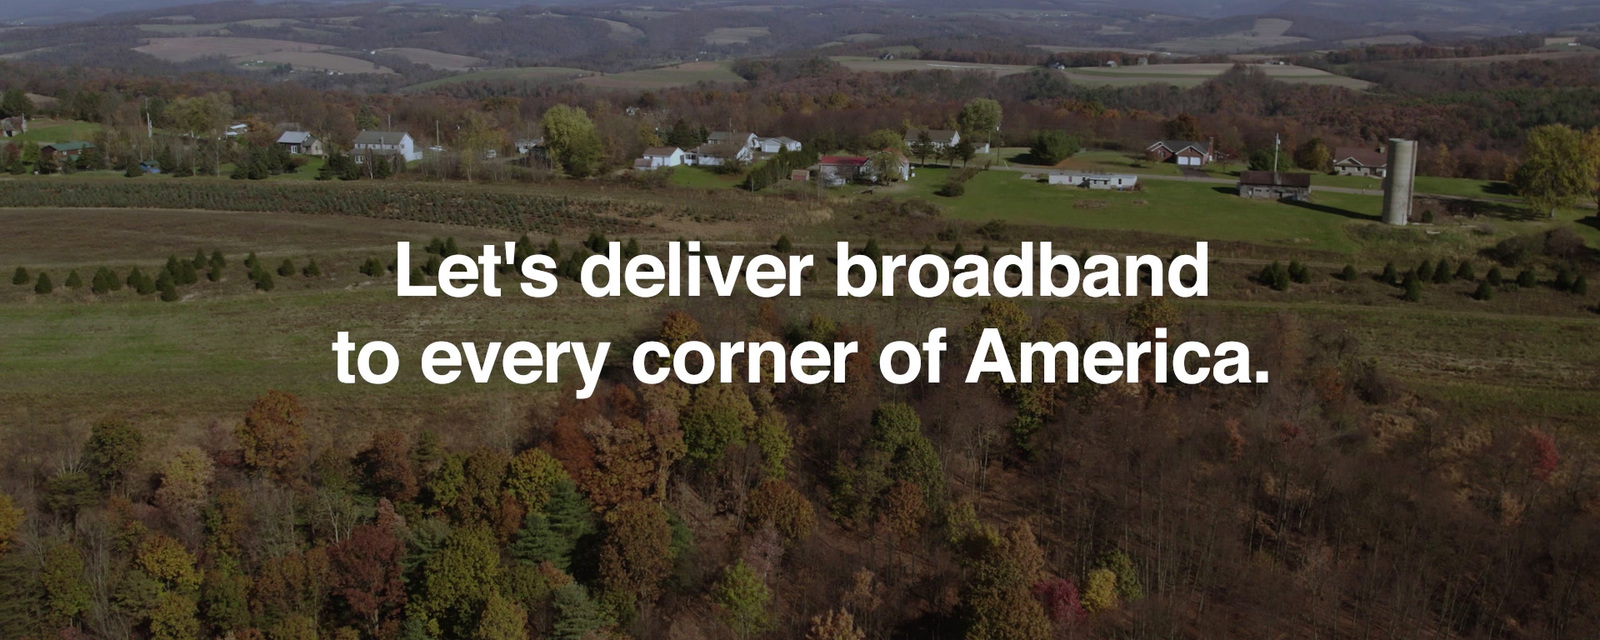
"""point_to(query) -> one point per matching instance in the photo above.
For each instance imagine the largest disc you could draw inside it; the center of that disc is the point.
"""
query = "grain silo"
(1398, 181)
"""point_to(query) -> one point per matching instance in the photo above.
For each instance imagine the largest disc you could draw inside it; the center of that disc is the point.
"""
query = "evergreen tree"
(552, 534)
(1413, 285)
(783, 245)
(1348, 274)
(1564, 279)
(1495, 278)
(1580, 285)
(1485, 291)
(199, 260)
(575, 614)
(631, 249)
(1425, 270)
(1442, 273)
(74, 281)
(214, 272)
(1466, 272)
(264, 281)
(743, 598)
(169, 291)
(43, 286)
(20, 276)
(1527, 278)
(1390, 274)
(312, 270)
(286, 268)
(217, 260)
(99, 285)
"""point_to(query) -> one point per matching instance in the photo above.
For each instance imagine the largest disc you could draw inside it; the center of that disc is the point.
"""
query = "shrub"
(1527, 278)
(1485, 291)
(43, 286)
(952, 190)
(1442, 273)
(783, 245)
(21, 276)
(1275, 276)
(1348, 274)
(1564, 279)
(1051, 147)
(1299, 272)
(74, 281)
(1495, 278)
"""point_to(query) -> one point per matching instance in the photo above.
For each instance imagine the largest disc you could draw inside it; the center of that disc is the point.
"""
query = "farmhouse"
(1360, 161)
(526, 145)
(385, 143)
(65, 151)
(1184, 153)
(837, 170)
(1275, 185)
(1090, 180)
(940, 139)
(713, 154)
(740, 138)
(300, 143)
(14, 126)
(658, 157)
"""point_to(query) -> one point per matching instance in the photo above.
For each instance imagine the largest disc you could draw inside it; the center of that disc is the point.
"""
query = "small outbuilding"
(1275, 185)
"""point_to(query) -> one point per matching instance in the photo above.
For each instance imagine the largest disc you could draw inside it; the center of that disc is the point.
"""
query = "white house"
(300, 143)
(237, 129)
(713, 154)
(14, 126)
(743, 138)
(525, 145)
(780, 143)
(398, 143)
(658, 157)
(939, 138)
(1089, 180)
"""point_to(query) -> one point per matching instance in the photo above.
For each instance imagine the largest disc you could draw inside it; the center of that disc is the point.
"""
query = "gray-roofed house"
(741, 138)
(385, 143)
(780, 143)
(1275, 185)
(939, 138)
(1360, 161)
(1093, 180)
(300, 143)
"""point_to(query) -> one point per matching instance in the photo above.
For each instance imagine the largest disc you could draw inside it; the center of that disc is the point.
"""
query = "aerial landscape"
(1392, 205)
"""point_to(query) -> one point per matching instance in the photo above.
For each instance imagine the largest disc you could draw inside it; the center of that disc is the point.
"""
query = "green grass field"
(43, 131)
(701, 178)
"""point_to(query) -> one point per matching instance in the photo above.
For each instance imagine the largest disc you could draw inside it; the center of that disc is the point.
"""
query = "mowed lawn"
(1198, 210)
(45, 130)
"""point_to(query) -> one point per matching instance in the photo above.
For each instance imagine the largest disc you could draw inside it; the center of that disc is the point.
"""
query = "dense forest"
(1332, 503)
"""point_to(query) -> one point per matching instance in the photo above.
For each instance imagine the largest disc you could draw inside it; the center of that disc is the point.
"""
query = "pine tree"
(1390, 274)
(783, 245)
(199, 260)
(1527, 278)
(1348, 274)
(1564, 279)
(1442, 273)
(101, 283)
(1580, 285)
(1466, 272)
(214, 272)
(21, 276)
(1485, 291)
(1413, 285)
(264, 281)
(1425, 270)
(74, 281)
(43, 286)
(217, 260)
(552, 534)
(186, 274)
(312, 270)
(631, 249)
(871, 250)
(169, 291)
(1495, 278)
(134, 278)
(743, 598)
(286, 268)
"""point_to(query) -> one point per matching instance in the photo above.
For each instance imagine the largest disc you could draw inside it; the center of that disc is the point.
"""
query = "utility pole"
(1276, 141)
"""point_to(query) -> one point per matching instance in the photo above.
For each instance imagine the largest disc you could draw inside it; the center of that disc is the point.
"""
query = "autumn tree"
(366, 571)
(273, 434)
(742, 599)
(185, 484)
(834, 625)
(388, 467)
(980, 116)
(114, 447)
(1559, 165)
(456, 582)
(719, 417)
(66, 593)
(637, 553)
(998, 595)
(779, 504)
(896, 450)
(1313, 155)
(10, 522)
(501, 619)
(573, 142)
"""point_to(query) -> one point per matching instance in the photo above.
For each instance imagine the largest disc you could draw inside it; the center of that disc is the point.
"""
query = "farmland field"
(47, 130)
(1194, 74)
(858, 63)
(435, 59)
(1266, 32)
(514, 74)
(258, 52)
(665, 77)
(735, 35)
